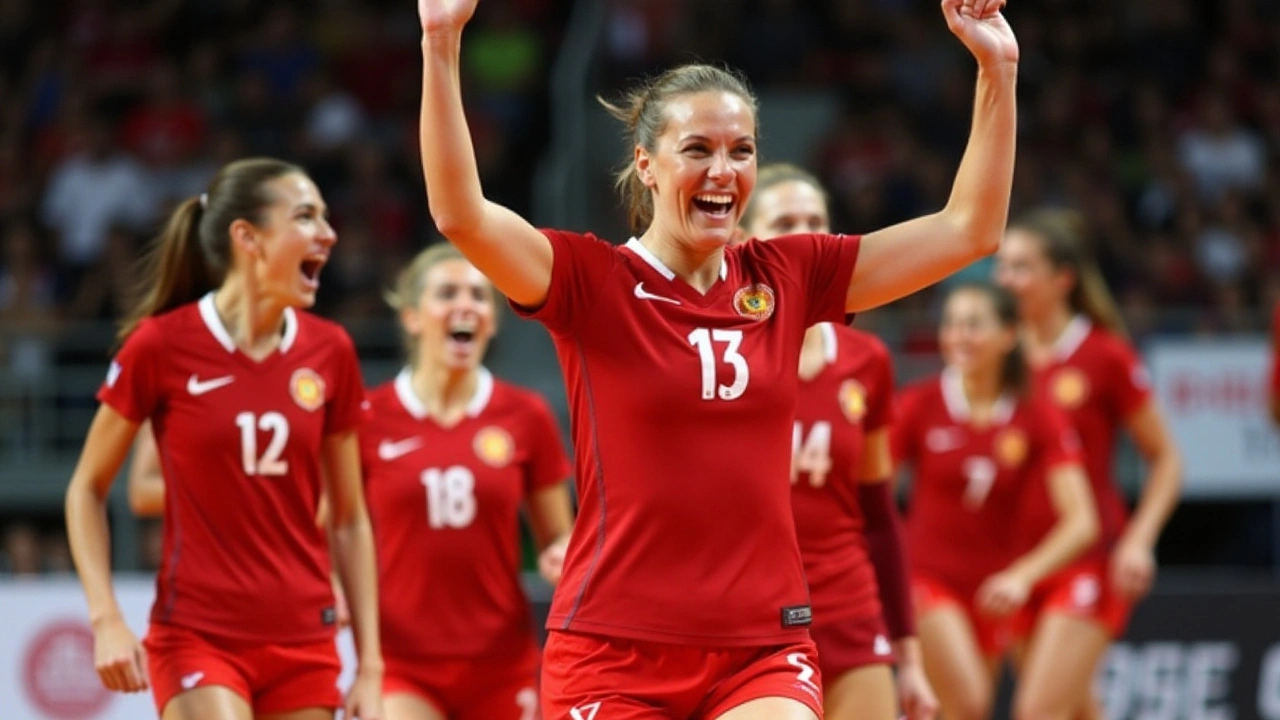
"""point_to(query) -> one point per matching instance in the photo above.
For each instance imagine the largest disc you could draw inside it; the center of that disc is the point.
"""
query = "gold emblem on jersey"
(307, 388)
(754, 301)
(853, 400)
(494, 446)
(1069, 388)
(1011, 447)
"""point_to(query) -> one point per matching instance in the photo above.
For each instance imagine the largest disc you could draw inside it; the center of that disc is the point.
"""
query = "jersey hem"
(555, 623)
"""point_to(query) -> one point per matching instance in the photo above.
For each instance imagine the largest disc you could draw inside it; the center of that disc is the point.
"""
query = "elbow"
(976, 230)
(1088, 527)
(456, 223)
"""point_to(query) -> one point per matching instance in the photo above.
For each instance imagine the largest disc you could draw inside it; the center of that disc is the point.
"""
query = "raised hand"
(983, 30)
(444, 15)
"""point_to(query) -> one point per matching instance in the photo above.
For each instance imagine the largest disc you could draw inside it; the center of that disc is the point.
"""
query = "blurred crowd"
(1159, 119)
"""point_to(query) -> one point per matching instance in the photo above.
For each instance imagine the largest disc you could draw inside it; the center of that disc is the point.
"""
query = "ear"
(244, 239)
(411, 319)
(644, 167)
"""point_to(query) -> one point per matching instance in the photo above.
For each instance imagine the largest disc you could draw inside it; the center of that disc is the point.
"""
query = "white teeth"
(714, 198)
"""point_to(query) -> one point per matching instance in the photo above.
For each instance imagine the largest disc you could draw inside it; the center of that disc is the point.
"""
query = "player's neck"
(256, 325)
(444, 392)
(982, 389)
(700, 269)
(1041, 333)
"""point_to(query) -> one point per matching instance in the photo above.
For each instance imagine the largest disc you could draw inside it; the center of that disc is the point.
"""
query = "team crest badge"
(1011, 447)
(754, 301)
(853, 401)
(494, 446)
(307, 388)
(1069, 388)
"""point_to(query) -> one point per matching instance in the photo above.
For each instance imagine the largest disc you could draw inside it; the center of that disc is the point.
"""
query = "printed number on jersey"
(451, 496)
(707, 342)
(980, 474)
(811, 453)
(270, 462)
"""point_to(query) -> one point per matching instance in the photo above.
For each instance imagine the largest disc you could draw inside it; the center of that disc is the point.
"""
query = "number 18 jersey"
(239, 443)
(681, 406)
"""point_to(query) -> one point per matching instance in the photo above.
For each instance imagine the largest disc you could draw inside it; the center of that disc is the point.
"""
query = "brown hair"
(1015, 375)
(412, 281)
(777, 174)
(192, 255)
(643, 111)
(1064, 238)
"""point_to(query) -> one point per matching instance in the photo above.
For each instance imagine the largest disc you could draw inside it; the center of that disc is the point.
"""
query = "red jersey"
(681, 406)
(1275, 352)
(239, 443)
(1098, 380)
(970, 480)
(445, 504)
(850, 398)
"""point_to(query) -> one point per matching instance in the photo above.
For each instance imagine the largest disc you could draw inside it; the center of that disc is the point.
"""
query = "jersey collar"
(958, 404)
(209, 313)
(1072, 337)
(830, 344)
(634, 246)
(409, 399)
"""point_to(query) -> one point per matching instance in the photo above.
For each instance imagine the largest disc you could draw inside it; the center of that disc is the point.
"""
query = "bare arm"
(351, 542)
(503, 245)
(1133, 567)
(117, 654)
(906, 257)
(146, 482)
(1076, 528)
(551, 519)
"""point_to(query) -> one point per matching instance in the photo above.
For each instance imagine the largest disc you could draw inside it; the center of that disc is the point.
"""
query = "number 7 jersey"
(681, 406)
(239, 443)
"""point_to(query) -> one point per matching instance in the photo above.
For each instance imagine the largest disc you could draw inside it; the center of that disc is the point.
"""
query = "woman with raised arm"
(1083, 363)
(846, 520)
(683, 592)
(254, 406)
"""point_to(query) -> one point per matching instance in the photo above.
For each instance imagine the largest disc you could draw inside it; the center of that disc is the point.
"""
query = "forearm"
(146, 495)
(90, 540)
(979, 200)
(1159, 498)
(357, 567)
(906, 652)
(449, 167)
(1066, 540)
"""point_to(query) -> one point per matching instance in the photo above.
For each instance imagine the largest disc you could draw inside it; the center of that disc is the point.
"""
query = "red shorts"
(271, 678)
(497, 688)
(1082, 591)
(851, 643)
(620, 679)
(994, 634)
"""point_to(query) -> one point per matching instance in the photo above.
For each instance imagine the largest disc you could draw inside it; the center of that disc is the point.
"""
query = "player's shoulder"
(171, 324)
(382, 395)
(319, 328)
(1108, 344)
(923, 391)
(517, 398)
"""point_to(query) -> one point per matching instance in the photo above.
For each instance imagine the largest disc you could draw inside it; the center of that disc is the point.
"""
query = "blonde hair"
(777, 174)
(1064, 238)
(412, 281)
(643, 111)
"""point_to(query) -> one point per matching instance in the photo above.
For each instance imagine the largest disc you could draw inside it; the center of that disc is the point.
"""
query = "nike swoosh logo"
(196, 386)
(190, 681)
(646, 295)
(388, 450)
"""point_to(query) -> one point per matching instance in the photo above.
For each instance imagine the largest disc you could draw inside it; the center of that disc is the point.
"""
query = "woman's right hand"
(444, 15)
(118, 657)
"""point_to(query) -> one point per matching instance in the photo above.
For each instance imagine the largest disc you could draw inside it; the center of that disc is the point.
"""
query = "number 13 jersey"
(239, 444)
(681, 406)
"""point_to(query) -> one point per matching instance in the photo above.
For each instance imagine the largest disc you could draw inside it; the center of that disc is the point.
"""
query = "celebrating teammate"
(1074, 337)
(978, 441)
(846, 522)
(683, 591)
(254, 406)
(450, 457)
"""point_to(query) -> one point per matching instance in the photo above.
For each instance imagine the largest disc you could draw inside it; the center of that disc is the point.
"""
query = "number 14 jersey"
(681, 406)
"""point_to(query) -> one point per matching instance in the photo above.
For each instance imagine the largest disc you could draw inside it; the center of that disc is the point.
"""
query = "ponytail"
(1064, 237)
(173, 271)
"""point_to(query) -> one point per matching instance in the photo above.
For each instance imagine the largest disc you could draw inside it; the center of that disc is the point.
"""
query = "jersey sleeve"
(1058, 440)
(346, 407)
(132, 385)
(1131, 384)
(880, 394)
(548, 465)
(582, 263)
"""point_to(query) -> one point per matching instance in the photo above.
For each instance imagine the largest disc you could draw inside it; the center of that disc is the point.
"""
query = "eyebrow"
(322, 209)
(704, 138)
